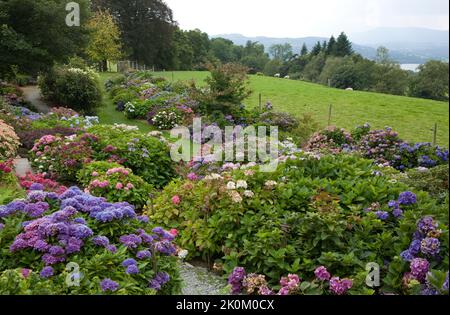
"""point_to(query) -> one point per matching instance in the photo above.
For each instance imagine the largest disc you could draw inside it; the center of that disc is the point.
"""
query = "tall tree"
(316, 49)
(281, 52)
(304, 50)
(343, 46)
(383, 56)
(431, 81)
(34, 35)
(200, 45)
(331, 48)
(147, 29)
(104, 43)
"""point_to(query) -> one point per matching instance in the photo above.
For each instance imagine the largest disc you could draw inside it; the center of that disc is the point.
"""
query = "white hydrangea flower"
(271, 184)
(249, 194)
(231, 186)
(241, 184)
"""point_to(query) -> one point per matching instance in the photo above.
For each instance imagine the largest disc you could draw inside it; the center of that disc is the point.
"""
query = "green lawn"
(413, 118)
(107, 112)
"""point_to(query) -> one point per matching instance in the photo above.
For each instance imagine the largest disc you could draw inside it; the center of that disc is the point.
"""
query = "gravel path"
(200, 281)
(32, 94)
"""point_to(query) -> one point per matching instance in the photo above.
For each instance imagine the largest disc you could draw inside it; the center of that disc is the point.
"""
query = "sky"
(299, 18)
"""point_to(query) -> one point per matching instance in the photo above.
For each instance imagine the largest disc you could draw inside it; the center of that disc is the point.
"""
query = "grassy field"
(413, 118)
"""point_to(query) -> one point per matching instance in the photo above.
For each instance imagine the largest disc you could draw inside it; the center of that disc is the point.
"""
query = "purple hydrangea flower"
(131, 241)
(143, 254)
(236, 278)
(132, 270)
(109, 285)
(100, 241)
(426, 225)
(129, 262)
(160, 279)
(445, 286)
(415, 247)
(165, 247)
(419, 268)
(47, 272)
(407, 255)
(430, 246)
(36, 186)
(143, 219)
(112, 248)
(397, 213)
(382, 215)
(407, 198)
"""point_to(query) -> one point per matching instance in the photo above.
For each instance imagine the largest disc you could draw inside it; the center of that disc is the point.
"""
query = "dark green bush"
(72, 87)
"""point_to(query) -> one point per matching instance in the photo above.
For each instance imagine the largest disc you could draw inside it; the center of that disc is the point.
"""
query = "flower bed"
(116, 251)
(115, 183)
(328, 210)
(383, 146)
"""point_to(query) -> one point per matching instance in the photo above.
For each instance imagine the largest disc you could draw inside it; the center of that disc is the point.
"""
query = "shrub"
(9, 141)
(62, 157)
(227, 89)
(30, 181)
(284, 121)
(115, 183)
(330, 140)
(166, 119)
(28, 138)
(434, 181)
(9, 187)
(148, 157)
(72, 87)
(331, 211)
(103, 239)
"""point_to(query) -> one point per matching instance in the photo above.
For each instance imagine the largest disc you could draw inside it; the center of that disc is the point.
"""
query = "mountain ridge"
(408, 51)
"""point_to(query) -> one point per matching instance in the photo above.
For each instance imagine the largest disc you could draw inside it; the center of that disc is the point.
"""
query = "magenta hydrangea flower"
(420, 268)
(235, 279)
(322, 274)
(340, 287)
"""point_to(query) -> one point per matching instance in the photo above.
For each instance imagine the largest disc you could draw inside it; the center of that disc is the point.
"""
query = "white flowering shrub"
(166, 119)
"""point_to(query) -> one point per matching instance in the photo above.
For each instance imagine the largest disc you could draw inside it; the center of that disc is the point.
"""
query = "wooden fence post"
(329, 114)
(435, 134)
(260, 102)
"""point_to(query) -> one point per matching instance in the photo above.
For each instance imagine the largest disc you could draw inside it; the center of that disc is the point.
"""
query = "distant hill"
(413, 49)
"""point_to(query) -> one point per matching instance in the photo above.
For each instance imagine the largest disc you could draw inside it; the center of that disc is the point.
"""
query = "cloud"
(293, 18)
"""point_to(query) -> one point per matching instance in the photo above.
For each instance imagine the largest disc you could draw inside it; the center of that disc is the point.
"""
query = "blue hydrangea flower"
(407, 198)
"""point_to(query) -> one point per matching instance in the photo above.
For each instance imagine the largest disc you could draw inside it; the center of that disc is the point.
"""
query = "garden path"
(32, 94)
(200, 281)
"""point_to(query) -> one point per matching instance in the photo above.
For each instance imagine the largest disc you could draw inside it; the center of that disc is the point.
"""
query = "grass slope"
(413, 118)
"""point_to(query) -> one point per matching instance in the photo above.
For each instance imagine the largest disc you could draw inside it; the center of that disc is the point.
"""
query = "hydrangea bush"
(115, 183)
(116, 251)
(9, 141)
(383, 146)
(309, 212)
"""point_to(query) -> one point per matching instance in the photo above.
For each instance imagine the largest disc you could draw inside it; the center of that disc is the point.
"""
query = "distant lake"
(410, 66)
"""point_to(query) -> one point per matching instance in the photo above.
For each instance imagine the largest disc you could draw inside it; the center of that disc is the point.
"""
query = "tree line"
(33, 36)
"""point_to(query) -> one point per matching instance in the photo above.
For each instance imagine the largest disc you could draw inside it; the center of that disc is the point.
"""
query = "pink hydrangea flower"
(119, 186)
(176, 200)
